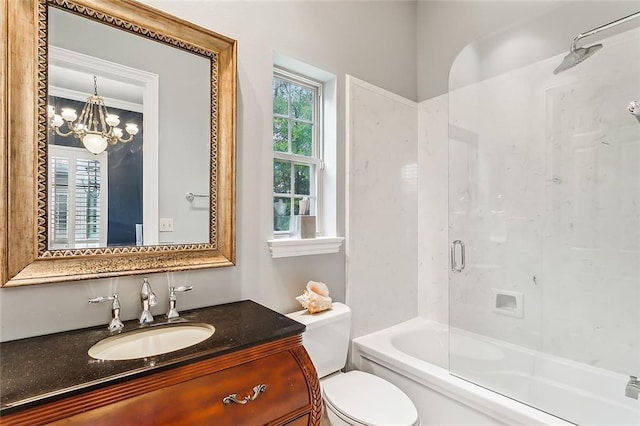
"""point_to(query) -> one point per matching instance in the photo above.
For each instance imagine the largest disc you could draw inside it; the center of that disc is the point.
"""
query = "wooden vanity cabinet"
(193, 394)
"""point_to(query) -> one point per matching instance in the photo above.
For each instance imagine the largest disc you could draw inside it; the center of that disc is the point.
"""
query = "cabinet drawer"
(200, 400)
(286, 390)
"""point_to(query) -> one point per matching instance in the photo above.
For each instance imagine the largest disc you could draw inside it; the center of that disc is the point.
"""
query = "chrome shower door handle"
(455, 267)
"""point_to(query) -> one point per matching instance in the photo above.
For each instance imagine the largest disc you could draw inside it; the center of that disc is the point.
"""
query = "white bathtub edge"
(487, 402)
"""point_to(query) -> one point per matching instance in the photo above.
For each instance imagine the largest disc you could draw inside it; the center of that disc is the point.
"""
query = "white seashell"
(303, 299)
(315, 298)
(318, 287)
(318, 303)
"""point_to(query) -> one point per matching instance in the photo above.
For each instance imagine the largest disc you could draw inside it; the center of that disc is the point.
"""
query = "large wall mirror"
(118, 152)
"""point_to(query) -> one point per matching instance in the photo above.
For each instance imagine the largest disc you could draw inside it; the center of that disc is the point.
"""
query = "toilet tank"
(326, 338)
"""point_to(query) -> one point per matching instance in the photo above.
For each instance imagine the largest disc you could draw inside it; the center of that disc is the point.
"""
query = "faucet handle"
(153, 300)
(115, 324)
(101, 299)
(173, 312)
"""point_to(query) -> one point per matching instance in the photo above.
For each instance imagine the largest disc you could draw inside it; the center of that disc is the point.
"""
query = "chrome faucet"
(633, 387)
(115, 324)
(148, 299)
(173, 312)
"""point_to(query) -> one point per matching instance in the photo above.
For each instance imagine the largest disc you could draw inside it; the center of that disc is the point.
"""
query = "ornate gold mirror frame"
(24, 252)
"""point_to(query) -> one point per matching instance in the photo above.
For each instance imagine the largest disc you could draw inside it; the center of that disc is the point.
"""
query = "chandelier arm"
(102, 110)
(91, 120)
(129, 139)
(58, 132)
(83, 115)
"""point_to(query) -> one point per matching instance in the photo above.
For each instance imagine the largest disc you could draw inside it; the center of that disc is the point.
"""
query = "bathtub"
(414, 356)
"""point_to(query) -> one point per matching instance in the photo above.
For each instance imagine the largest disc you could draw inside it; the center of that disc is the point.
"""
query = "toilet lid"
(369, 400)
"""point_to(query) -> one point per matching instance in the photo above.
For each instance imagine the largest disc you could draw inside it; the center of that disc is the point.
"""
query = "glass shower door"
(496, 210)
(544, 204)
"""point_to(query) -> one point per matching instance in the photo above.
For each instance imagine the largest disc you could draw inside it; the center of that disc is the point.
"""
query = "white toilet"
(355, 398)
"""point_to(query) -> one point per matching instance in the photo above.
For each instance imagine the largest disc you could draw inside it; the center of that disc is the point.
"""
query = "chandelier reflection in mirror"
(95, 127)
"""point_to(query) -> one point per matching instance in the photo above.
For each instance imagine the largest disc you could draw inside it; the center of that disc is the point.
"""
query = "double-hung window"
(297, 148)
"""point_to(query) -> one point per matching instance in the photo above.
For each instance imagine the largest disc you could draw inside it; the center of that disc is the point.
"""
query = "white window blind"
(77, 198)
(59, 200)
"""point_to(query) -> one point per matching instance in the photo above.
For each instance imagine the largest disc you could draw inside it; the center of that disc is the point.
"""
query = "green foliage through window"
(295, 146)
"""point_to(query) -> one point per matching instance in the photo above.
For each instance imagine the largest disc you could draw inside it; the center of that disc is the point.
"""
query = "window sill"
(289, 247)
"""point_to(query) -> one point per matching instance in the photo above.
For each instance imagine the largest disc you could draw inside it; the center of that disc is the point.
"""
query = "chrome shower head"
(579, 54)
(576, 56)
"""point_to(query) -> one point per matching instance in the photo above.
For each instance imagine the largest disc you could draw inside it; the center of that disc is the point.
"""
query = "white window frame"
(326, 241)
(315, 160)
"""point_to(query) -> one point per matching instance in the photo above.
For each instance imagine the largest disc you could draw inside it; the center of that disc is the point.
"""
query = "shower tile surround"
(545, 191)
(382, 243)
(539, 175)
(433, 237)
(498, 153)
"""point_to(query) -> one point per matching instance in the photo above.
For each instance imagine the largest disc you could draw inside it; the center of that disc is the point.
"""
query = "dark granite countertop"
(40, 369)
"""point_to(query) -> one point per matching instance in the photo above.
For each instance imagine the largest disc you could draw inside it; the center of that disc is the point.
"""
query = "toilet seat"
(364, 399)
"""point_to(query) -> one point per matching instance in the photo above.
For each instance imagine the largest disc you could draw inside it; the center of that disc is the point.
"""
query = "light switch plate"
(166, 224)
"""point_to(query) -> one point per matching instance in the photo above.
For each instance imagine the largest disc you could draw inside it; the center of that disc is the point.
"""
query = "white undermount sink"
(151, 341)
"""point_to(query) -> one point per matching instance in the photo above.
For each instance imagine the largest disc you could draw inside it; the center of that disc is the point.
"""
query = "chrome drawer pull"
(257, 390)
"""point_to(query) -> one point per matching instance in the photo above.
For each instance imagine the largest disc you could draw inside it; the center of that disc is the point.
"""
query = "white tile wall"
(433, 284)
(382, 170)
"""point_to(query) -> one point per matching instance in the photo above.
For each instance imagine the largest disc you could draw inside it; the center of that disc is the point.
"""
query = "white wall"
(446, 27)
(358, 38)
(382, 243)
(503, 35)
